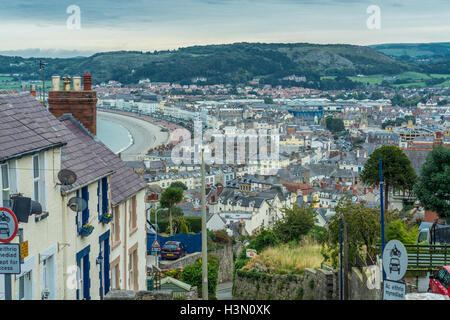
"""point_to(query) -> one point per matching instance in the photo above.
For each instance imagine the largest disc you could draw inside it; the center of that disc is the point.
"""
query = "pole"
(204, 237)
(345, 261)
(341, 295)
(382, 212)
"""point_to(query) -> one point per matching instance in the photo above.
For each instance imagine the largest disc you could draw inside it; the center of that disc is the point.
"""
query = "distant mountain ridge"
(230, 63)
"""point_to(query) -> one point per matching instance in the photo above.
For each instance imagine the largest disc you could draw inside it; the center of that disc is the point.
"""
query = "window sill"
(115, 244)
(41, 216)
(132, 231)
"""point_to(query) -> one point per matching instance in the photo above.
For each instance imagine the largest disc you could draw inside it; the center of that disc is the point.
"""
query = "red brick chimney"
(82, 104)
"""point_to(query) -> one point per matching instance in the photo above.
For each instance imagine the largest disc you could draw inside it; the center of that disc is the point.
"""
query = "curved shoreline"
(144, 135)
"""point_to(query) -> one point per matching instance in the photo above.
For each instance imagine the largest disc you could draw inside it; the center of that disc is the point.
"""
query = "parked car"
(173, 250)
(440, 281)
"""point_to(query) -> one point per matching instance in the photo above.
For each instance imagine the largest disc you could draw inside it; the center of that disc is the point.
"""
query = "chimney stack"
(82, 104)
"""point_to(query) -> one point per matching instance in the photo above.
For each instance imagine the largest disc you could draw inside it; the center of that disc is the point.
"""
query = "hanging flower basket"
(86, 230)
(106, 218)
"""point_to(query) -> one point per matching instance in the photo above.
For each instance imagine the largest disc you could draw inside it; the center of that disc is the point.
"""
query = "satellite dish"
(77, 204)
(67, 177)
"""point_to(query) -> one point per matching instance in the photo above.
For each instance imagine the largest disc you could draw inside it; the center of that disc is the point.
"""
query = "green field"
(410, 79)
(8, 83)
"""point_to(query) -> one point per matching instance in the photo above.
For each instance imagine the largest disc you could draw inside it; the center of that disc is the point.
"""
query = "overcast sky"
(30, 26)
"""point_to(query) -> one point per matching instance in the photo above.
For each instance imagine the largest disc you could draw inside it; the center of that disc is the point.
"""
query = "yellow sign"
(24, 250)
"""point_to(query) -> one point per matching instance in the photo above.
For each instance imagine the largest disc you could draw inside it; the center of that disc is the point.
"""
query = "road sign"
(156, 246)
(24, 249)
(8, 225)
(250, 253)
(394, 290)
(395, 260)
(9, 258)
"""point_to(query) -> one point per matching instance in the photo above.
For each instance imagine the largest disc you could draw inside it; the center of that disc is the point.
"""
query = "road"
(223, 291)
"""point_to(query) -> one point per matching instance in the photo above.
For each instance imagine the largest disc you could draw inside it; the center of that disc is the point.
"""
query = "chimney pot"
(77, 83)
(87, 79)
(66, 83)
(56, 83)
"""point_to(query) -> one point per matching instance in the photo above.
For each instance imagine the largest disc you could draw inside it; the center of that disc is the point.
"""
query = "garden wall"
(310, 285)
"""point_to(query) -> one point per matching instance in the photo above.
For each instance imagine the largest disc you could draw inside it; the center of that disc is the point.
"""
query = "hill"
(231, 63)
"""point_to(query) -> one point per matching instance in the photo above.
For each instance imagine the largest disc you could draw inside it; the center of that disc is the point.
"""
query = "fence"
(427, 257)
(193, 241)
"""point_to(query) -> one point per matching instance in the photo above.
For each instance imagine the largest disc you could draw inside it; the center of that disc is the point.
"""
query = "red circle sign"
(8, 224)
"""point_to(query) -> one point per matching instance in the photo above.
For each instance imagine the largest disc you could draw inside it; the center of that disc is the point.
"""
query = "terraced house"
(80, 254)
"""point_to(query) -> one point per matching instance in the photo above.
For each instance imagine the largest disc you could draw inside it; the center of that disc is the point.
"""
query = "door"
(84, 282)
(104, 270)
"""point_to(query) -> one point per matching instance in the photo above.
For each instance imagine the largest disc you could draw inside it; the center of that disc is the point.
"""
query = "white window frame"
(4, 190)
(39, 181)
(131, 270)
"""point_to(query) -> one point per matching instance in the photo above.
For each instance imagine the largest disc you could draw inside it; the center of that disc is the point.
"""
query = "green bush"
(319, 234)
(194, 223)
(192, 274)
(263, 240)
(398, 230)
(221, 236)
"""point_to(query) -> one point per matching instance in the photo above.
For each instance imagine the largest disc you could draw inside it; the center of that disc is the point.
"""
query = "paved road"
(223, 291)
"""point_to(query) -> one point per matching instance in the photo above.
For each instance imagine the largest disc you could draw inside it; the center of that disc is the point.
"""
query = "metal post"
(341, 294)
(382, 213)
(204, 237)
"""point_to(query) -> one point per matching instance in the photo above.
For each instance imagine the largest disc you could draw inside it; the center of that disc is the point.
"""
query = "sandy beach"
(145, 134)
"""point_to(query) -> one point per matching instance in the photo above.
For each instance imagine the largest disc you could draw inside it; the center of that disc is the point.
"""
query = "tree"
(397, 171)
(433, 186)
(268, 100)
(178, 184)
(334, 125)
(363, 232)
(169, 198)
(263, 240)
(297, 222)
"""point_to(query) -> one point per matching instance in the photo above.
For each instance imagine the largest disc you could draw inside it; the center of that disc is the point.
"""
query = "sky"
(50, 27)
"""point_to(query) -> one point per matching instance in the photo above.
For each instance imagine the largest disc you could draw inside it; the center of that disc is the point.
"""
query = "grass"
(285, 259)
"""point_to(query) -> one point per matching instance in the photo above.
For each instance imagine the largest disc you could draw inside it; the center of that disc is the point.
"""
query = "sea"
(115, 136)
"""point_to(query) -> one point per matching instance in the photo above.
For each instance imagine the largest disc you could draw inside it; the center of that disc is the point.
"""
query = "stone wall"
(181, 262)
(312, 284)
(148, 295)
(225, 255)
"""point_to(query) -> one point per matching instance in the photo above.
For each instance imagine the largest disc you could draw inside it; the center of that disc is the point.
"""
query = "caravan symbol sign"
(8, 225)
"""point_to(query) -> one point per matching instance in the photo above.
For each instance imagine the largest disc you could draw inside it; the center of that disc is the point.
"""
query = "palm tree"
(169, 198)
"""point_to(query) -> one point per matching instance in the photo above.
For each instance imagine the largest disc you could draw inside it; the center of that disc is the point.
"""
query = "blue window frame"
(102, 195)
(85, 213)
(84, 281)
(105, 282)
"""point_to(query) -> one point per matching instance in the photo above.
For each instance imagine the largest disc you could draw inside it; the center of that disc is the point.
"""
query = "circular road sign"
(395, 260)
(8, 225)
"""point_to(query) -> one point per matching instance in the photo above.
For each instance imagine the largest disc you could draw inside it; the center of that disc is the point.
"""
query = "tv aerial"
(66, 177)
(77, 204)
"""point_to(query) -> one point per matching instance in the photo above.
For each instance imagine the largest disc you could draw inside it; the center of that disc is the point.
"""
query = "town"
(213, 158)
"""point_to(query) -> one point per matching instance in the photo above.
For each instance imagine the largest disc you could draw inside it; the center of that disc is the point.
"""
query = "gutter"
(31, 152)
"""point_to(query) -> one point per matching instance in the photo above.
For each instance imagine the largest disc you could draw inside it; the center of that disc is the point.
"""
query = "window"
(39, 180)
(444, 278)
(5, 186)
(25, 286)
(102, 193)
(115, 226)
(133, 214)
(132, 270)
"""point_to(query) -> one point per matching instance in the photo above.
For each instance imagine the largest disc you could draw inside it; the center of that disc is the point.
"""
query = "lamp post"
(156, 230)
(204, 236)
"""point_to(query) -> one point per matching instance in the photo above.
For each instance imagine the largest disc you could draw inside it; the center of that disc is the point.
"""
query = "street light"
(156, 228)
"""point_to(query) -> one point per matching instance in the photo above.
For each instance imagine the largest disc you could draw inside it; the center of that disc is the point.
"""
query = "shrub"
(221, 236)
(263, 240)
(192, 274)
(296, 223)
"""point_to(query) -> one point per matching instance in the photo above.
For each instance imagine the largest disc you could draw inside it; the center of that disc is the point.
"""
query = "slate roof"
(100, 161)
(81, 154)
(26, 126)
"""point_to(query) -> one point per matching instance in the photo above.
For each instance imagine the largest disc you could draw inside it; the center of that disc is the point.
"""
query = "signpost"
(24, 249)
(395, 263)
(250, 253)
(8, 225)
(10, 258)
(156, 246)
